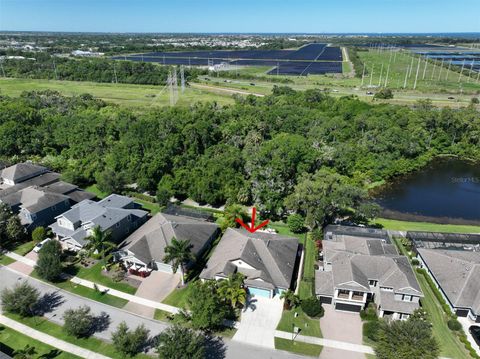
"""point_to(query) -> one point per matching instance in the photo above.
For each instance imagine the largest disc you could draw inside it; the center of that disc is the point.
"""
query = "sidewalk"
(48, 339)
(110, 291)
(326, 343)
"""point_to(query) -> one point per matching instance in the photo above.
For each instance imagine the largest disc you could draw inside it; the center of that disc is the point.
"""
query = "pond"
(445, 191)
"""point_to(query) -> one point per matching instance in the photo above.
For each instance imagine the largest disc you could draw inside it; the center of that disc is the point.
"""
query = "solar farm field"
(309, 59)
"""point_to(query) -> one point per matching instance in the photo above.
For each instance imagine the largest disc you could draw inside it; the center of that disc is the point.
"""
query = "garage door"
(326, 300)
(259, 292)
(348, 307)
(461, 312)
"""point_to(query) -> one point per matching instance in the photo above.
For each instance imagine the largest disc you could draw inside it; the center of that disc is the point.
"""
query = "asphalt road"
(63, 300)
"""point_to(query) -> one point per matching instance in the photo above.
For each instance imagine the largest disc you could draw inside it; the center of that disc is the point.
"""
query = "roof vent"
(268, 242)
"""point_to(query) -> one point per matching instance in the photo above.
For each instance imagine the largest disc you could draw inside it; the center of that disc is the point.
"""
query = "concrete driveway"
(259, 321)
(341, 326)
(157, 286)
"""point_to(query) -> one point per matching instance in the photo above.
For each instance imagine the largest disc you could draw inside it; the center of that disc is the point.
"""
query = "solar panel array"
(309, 59)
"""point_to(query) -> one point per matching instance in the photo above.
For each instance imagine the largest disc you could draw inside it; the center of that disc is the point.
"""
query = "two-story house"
(116, 214)
(360, 266)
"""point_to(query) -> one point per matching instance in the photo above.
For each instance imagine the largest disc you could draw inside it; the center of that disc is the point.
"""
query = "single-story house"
(119, 215)
(144, 249)
(268, 261)
(362, 266)
(456, 274)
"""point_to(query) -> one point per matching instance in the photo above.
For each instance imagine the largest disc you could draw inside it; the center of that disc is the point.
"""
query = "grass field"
(424, 226)
(94, 274)
(123, 94)
(93, 344)
(298, 347)
(309, 326)
(178, 298)
(11, 340)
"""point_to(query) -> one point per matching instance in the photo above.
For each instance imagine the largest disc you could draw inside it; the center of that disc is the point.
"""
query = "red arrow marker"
(252, 228)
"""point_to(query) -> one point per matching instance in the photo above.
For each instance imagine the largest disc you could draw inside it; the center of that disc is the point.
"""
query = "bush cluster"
(312, 307)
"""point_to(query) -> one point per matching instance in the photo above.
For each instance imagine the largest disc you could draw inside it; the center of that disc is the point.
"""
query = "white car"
(39, 246)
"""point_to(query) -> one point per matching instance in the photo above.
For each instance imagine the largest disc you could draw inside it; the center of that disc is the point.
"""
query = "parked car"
(370, 93)
(39, 246)
(451, 98)
(475, 331)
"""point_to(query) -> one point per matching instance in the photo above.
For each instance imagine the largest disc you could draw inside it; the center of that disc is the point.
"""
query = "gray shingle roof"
(149, 241)
(116, 201)
(458, 273)
(324, 283)
(41, 180)
(22, 171)
(272, 256)
(34, 199)
(388, 303)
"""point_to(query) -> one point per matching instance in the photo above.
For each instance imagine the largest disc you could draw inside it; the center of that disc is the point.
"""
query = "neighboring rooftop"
(457, 272)
(466, 241)
(149, 241)
(34, 199)
(21, 172)
(268, 259)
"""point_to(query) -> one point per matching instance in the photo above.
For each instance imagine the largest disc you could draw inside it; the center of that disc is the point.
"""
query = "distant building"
(144, 249)
(117, 214)
(268, 261)
(360, 265)
(82, 53)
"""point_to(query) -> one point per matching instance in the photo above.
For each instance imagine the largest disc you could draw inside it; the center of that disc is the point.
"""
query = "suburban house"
(267, 260)
(119, 215)
(453, 262)
(21, 172)
(360, 265)
(144, 249)
(37, 195)
(36, 206)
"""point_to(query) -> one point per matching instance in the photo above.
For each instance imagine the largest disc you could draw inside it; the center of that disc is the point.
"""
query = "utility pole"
(411, 67)
(386, 77)
(433, 71)
(470, 72)
(55, 69)
(175, 84)
(363, 74)
(461, 71)
(381, 73)
(441, 68)
(406, 77)
(448, 70)
(115, 73)
(425, 70)
(170, 87)
(371, 76)
(416, 74)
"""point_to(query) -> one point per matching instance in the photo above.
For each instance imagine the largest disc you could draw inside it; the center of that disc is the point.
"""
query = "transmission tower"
(175, 84)
(182, 78)
(170, 88)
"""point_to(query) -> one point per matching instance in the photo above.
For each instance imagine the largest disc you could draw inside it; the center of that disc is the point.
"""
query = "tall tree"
(232, 290)
(178, 342)
(21, 299)
(49, 263)
(99, 241)
(179, 253)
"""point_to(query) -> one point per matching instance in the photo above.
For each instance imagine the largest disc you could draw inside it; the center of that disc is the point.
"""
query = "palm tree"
(291, 299)
(232, 290)
(179, 253)
(99, 241)
(26, 353)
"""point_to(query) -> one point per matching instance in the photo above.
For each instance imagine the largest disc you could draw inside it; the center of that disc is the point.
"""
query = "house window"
(407, 298)
(387, 289)
(373, 283)
(117, 224)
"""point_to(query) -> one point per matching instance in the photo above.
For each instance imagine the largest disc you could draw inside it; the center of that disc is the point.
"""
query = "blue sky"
(312, 16)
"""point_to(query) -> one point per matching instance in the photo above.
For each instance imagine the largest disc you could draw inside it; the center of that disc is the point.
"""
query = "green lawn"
(298, 347)
(161, 315)
(87, 292)
(153, 208)
(178, 298)
(11, 340)
(95, 275)
(424, 226)
(5, 261)
(93, 344)
(450, 345)
(24, 248)
(123, 94)
(309, 326)
(95, 190)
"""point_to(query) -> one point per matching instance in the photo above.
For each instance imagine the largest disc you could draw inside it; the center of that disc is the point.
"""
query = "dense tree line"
(273, 151)
(44, 66)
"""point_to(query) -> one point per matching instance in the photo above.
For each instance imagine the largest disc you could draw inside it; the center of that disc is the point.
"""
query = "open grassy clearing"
(11, 340)
(55, 330)
(424, 226)
(430, 78)
(298, 347)
(123, 94)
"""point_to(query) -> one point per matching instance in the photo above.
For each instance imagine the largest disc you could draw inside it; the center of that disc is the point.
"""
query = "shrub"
(78, 322)
(454, 324)
(475, 100)
(20, 300)
(384, 94)
(371, 329)
(312, 307)
(415, 262)
(39, 234)
(296, 223)
(370, 313)
(177, 339)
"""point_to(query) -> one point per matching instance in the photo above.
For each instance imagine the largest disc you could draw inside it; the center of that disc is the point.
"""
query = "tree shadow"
(100, 323)
(215, 348)
(250, 304)
(47, 303)
(51, 354)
